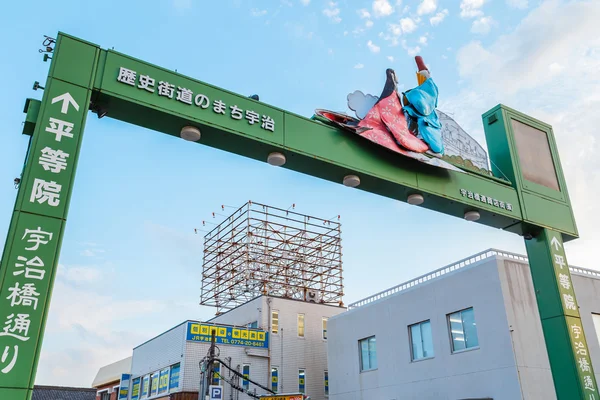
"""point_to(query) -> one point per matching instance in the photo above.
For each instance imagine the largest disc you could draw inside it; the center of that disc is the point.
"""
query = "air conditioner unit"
(312, 296)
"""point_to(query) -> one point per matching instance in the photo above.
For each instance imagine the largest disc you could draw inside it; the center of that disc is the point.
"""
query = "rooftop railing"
(456, 266)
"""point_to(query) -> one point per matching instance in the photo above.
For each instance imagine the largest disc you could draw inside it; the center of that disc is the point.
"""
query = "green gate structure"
(532, 200)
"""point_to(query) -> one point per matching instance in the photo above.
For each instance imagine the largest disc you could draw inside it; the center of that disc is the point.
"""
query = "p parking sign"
(216, 392)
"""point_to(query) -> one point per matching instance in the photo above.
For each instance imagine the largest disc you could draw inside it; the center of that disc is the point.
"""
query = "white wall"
(290, 353)
(488, 371)
(160, 352)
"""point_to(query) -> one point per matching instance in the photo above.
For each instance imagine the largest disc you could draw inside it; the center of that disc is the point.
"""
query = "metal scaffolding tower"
(266, 250)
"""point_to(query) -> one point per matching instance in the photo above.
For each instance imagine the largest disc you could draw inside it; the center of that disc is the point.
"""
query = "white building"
(278, 343)
(470, 330)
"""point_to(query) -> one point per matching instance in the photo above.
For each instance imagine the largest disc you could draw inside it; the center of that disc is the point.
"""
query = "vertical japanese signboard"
(32, 247)
(559, 309)
(571, 311)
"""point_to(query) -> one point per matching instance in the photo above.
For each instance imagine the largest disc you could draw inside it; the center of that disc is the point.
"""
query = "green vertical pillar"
(32, 247)
(568, 352)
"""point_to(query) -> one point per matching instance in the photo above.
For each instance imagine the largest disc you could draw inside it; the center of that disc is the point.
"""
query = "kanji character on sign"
(12, 362)
(127, 76)
(166, 89)
(477, 197)
(252, 117)
(43, 191)
(146, 83)
(463, 192)
(559, 260)
(219, 107)
(580, 349)
(268, 123)
(564, 281)
(25, 296)
(584, 365)
(483, 199)
(60, 128)
(236, 113)
(202, 101)
(569, 302)
(185, 95)
(37, 237)
(17, 327)
(588, 383)
(470, 194)
(53, 160)
(31, 273)
(576, 329)
(509, 206)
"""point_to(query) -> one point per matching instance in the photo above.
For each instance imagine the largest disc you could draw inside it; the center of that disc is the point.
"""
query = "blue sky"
(131, 264)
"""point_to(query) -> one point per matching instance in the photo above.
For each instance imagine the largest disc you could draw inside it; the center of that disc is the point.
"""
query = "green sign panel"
(147, 84)
(27, 279)
(47, 181)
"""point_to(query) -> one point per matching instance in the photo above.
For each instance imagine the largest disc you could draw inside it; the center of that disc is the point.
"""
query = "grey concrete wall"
(488, 371)
(526, 331)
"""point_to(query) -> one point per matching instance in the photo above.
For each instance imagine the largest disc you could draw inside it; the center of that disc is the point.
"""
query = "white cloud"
(423, 40)
(79, 274)
(363, 13)
(520, 69)
(359, 66)
(408, 25)
(438, 18)
(255, 12)
(390, 58)
(427, 7)
(368, 23)
(482, 25)
(413, 51)
(395, 29)
(382, 8)
(471, 8)
(305, 2)
(332, 12)
(518, 3)
(556, 68)
(373, 47)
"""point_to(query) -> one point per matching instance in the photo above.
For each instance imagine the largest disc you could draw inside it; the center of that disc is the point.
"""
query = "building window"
(253, 325)
(246, 373)
(368, 354)
(463, 330)
(421, 340)
(302, 381)
(146, 387)
(275, 322)
(154, 384)
(104, 395)
(300, 325)
(326, 381)
(174, 376)
(274, 378)
(324, 328)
